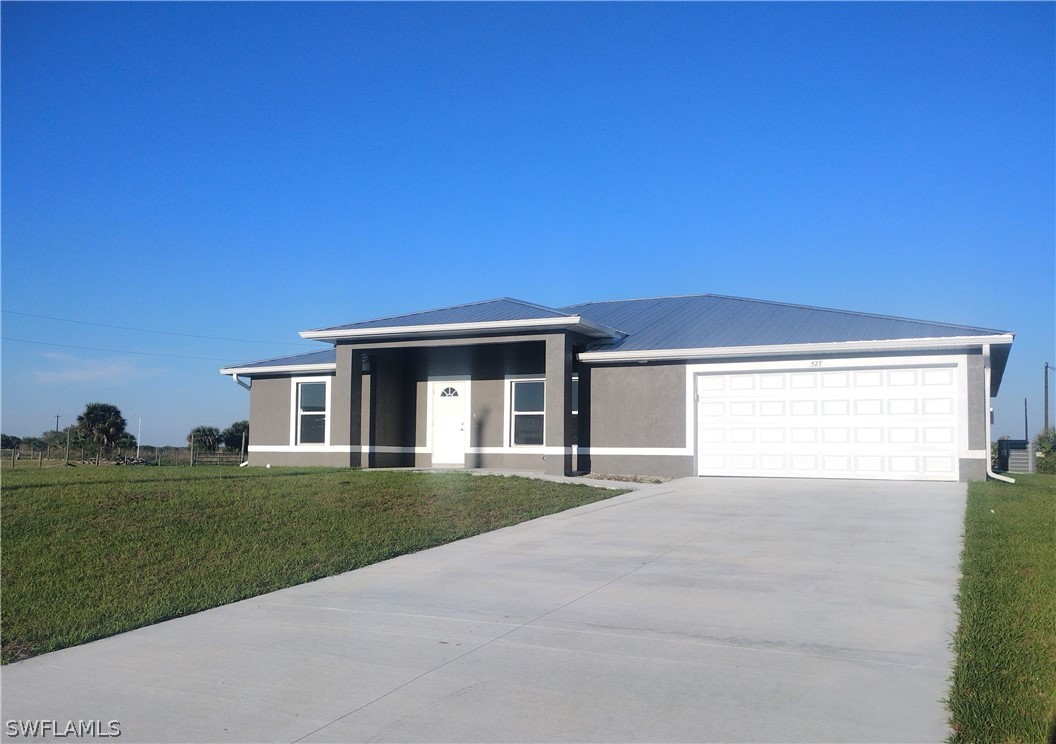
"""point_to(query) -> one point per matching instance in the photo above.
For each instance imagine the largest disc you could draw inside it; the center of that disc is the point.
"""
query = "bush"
(1045, 464)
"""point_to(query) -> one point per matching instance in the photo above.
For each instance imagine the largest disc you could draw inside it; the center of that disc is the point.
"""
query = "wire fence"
(88, 455)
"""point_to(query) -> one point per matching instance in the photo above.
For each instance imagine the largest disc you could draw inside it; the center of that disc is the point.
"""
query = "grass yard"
(92, 551)
(1004, 684)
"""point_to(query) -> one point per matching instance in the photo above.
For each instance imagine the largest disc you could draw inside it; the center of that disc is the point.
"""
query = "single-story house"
(671, 386)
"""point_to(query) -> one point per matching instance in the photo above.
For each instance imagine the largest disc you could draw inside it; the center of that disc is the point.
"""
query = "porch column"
(558, 435)
(346, 398)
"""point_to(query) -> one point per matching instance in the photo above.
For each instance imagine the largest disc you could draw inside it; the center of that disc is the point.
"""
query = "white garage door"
(886, 423)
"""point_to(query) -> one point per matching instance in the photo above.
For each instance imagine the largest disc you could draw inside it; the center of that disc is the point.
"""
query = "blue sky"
(247, 171)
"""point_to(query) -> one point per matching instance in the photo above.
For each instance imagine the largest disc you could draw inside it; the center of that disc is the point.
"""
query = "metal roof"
(323, 356)
(488, 311)
(693, 322)
(714, 321)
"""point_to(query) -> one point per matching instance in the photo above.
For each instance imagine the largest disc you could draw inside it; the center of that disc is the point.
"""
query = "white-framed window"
(311, 411)
(527, 412)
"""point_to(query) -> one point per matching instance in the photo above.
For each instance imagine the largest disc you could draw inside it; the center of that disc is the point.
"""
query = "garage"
(891, 423)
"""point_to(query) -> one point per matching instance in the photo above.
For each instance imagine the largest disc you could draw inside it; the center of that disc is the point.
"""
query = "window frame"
(296, 413)
(513, 414)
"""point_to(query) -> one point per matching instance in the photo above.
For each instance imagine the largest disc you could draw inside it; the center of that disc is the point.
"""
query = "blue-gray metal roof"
(488, 311)
(713, 321)
(323, 356)
(661, 323)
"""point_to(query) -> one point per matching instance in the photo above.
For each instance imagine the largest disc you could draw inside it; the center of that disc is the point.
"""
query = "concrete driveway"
(700, 610)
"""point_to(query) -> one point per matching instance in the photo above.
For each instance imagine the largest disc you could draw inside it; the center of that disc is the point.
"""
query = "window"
(529, 397)
(311, 413)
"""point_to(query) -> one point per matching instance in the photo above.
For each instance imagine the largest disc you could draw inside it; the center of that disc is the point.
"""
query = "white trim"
(307, 368)
(825, 349)
(295, 383)
(647, 451)
(572, 322)
(343, 449)
(393, 450)
(507, 415)
(524, 449)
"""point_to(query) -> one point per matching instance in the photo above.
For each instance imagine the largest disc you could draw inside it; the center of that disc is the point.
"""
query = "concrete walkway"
(699, 610)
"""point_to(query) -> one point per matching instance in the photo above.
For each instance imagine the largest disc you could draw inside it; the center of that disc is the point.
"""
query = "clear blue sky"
(250, 170)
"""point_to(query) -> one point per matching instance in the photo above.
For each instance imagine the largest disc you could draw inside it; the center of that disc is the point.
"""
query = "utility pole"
(1048, 368)
(1026, 435)
(139, 433)
(57, 415)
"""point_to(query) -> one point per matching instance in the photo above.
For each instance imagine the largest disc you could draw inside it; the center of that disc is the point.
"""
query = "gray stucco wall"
(269, 411)
(978, 404)
(666, 466)
(631, 405)
(638, 406)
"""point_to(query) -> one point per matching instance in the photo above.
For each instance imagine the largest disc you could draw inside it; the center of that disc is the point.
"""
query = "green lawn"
(92, 551)
(1004, 684)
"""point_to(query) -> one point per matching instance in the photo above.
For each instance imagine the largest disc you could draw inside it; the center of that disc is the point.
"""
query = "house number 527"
(816, 363)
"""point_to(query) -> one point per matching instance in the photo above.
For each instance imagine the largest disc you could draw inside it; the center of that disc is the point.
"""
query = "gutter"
(278, 369)
(829, 347)
(986, 396)
(246, 385)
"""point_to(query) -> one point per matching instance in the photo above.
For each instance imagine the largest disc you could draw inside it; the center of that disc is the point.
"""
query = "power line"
(146, 330)
(113, 350)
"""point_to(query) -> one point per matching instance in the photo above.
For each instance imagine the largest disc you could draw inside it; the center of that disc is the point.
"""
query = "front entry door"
(450, 413)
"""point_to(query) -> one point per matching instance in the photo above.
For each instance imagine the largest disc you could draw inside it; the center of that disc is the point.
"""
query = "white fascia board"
(837, 347)
(280, 369)
(572, 322)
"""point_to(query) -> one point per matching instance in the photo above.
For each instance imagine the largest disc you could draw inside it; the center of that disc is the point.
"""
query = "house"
(671, 386)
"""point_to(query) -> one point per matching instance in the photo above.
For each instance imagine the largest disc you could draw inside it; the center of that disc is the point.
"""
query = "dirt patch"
(629, 478)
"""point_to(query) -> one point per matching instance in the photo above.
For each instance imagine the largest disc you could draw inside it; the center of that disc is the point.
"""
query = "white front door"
(450, 421)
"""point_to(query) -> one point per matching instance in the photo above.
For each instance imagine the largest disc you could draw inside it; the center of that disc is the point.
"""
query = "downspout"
(247, 386)
(986, 397)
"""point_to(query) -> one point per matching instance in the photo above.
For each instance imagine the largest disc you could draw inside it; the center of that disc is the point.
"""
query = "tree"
(34, 444)
(204, 438)
(126, 443)
(9, 442)
(54, 439)
(101, 423)
(232, 436)
(1046, 441)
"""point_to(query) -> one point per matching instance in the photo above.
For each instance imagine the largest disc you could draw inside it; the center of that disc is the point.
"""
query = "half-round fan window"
(449, 392)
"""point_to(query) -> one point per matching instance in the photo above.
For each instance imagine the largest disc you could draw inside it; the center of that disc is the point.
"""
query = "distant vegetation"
(101, 433)
(1045, 447)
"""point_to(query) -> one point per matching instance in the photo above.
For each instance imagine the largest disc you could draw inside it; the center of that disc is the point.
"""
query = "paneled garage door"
(885, 423)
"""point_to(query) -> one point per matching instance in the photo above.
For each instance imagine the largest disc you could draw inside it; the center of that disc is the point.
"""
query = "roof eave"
(280, 369)
(826, 348)
(573, 323)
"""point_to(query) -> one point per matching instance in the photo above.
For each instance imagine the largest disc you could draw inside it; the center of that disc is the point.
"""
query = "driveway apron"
(701, 610)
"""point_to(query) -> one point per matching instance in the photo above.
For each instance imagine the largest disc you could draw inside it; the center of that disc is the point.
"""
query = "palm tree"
(102, 423)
